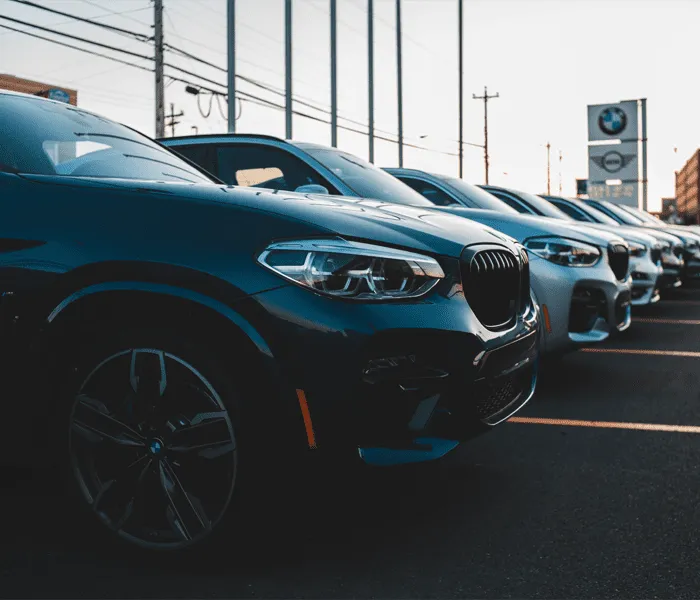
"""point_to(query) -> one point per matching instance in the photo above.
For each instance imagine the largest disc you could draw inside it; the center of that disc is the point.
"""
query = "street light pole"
(460, 26)
(231, 41)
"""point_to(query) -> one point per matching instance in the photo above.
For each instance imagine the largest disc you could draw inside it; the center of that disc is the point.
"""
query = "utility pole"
(399, 79)
(334, 75)
(172, 116)
(461, 88)
(549, 191)
(288, 66)
(231, 35)
(560, 186)
(160, 86)
(486, 99)
(370, 74)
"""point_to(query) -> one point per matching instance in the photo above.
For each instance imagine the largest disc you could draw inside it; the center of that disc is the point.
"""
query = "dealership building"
(38, 88)
(688, 190)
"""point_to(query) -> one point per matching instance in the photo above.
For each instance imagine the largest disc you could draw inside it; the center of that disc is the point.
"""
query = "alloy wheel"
(153, 448)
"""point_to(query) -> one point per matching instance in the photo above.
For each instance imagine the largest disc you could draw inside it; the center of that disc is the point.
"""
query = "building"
(688, 190)
(37, 88)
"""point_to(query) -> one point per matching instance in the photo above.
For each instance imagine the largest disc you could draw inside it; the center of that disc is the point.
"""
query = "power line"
(78, 38)
(41, 37)
(125, 14)
(139, 36)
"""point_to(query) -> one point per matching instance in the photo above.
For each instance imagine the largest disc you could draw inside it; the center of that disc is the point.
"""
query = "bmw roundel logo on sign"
(612, 120)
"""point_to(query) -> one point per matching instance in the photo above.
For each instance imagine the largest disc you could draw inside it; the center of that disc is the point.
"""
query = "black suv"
(174, 332)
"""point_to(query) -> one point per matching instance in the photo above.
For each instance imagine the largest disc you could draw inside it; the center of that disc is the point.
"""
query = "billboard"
(613, 121)
(624, 193)
(614, 161)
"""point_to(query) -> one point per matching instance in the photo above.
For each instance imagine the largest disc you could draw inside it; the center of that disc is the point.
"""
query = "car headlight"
(563, 251)
(353, 270)
(637, 249)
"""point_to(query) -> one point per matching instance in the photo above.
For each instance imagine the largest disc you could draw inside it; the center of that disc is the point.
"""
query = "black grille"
(524, 279)
(503, 392)
(619, 258)
(678, 251)
(655, 255)
(492, 286)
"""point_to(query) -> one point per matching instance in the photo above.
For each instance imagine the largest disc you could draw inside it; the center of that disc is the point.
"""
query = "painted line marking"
(681, 353)
(667, 321)
(306, 415)
(606, 424)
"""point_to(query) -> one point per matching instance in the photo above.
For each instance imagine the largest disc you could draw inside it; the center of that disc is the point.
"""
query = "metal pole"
(231, 17)
(288, 66)
(399, 81)
(334, 76)
(370, 74)
(560, 182)
(644, 155)
(549, 181)
(486, 134)
(160, 86)
(461, 90)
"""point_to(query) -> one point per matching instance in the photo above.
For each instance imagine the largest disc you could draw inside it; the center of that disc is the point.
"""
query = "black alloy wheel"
(152, 448)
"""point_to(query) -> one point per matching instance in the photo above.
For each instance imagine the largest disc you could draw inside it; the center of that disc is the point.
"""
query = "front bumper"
(692, 270)
(580, 306)
(645, 281)
(397, 382)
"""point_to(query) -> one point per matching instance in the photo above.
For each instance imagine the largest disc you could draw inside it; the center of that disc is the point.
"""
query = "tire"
(157, 464)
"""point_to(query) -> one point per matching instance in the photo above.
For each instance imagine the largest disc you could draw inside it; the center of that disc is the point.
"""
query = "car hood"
(521, 227)
(418, 228)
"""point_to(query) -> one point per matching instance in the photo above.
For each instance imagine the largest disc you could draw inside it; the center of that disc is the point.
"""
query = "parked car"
(673, 277)
(662, 252)
(185, 336)
(692, 244)
(598, 309)
(643, 269)
(580, 305)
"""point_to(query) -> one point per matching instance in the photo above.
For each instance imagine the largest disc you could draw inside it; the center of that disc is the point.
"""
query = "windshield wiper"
(120, 137)
(155, 160)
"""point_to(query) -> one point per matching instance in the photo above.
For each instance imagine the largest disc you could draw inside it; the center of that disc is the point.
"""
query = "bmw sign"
(612, 120)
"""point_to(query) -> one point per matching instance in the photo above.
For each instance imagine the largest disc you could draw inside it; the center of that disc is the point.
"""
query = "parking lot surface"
(591, 507)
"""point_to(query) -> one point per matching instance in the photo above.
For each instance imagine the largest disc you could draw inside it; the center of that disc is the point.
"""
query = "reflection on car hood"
(630, 234)
(418, 228)
(522, 227)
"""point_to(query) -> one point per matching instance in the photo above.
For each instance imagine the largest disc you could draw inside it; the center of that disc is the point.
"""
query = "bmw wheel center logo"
(612, 121)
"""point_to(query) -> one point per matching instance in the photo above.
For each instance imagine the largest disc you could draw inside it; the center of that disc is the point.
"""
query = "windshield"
(51, 138)
(595, 214)
(644, 216)
(542, 207)
(364, 178)
(623, 215)
(478, 197)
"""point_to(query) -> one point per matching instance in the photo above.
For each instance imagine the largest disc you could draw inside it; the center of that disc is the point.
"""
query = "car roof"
(233, 136)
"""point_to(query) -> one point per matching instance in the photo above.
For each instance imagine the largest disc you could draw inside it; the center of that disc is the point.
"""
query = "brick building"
(37, 88)
(688, 189)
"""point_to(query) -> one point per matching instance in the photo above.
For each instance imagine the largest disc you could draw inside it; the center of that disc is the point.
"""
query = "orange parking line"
(606, 424)
(667, 321)
(642, 352)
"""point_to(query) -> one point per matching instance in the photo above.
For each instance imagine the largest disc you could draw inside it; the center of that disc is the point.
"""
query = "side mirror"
(312, 188)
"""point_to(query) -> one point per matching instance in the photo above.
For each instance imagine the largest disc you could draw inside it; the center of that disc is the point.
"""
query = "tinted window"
(364, 178)
(200, 154)
(540, 206)
(592, 213)
(616, 213)
(572, 211)
(512, 202)
(476, 197)
(429, 191)
(267, 167)
(51, 138)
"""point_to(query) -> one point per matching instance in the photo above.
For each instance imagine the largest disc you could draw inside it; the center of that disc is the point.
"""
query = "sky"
(547, 59)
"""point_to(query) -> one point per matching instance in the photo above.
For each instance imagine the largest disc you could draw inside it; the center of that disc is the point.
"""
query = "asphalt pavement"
(538, 509)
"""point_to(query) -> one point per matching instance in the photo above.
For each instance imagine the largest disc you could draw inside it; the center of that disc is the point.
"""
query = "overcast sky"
(547, 59)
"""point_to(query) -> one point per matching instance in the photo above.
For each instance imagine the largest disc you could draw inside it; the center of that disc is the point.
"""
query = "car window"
(200, 154)
(616, 213)
(52, 138)
(254, 165)
(510, 201)
(429, 191)
(475, 196)
(572, 211)
(364, 178)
